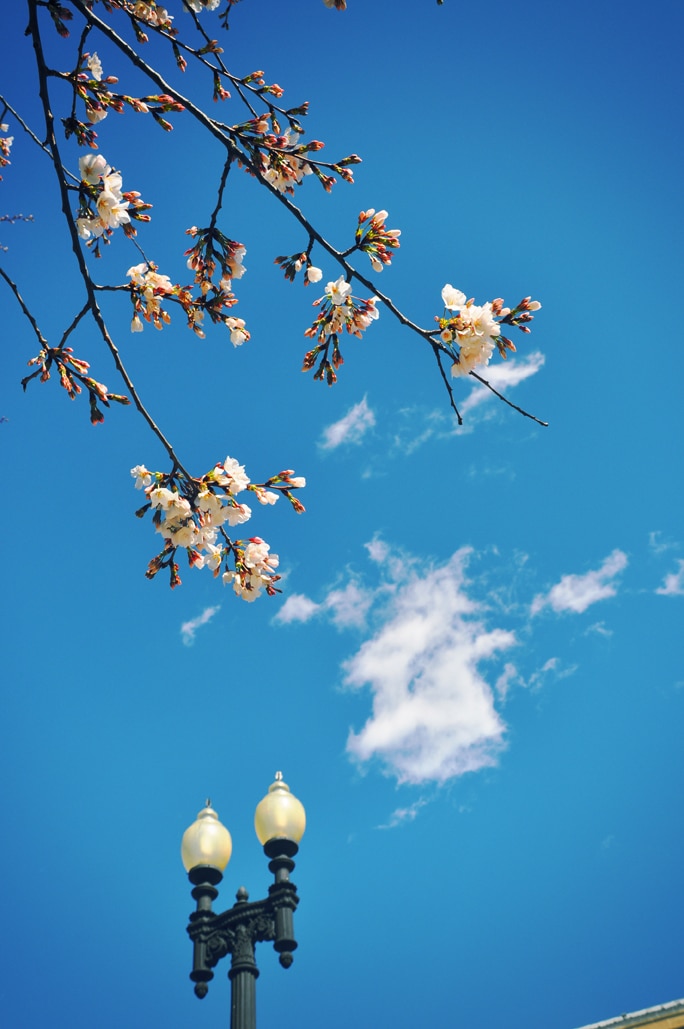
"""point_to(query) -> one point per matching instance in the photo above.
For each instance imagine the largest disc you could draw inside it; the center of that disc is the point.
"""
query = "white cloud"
(297, 608)
(396, 565)
(506, 679)
(439, 423)
(578, 592)
(657, 545)
(377, 550)
(503, 377)
(600, 628)
(673, 584)
(404, 814)
(350, 429)
(349, 605)
(550, 667)
(188, 629)
(433, 712)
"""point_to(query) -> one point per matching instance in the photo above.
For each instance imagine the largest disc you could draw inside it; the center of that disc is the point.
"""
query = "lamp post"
(279, 822)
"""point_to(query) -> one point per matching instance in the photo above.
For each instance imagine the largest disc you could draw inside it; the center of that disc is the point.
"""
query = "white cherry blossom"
(338, 291)
(95, 67)
(453, 299)
(92, 167)
(141, 475)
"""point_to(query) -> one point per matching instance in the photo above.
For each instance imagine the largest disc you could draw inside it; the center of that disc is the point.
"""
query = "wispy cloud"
(188, 629)
(599, 628)
(673, 584)
(433, 712)
(509, 676)
(417, 426)
(578, 592)
(503, 376)
(404, 814)
(658, 545)
(350, 429)
(550, 669)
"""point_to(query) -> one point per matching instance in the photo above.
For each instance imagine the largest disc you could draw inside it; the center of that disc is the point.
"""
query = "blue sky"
(473, 678)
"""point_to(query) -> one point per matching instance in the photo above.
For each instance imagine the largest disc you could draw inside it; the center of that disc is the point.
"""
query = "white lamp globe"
(279, 815)
(206, 842)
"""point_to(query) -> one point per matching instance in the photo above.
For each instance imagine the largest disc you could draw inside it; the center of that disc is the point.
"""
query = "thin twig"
(438, 356)
(32, 321)
(510, 403)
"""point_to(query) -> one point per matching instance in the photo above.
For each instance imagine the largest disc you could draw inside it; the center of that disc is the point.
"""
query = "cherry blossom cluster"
(73, 376)
(339, 312)
(472, 332)
(203, 5)
(293, 264)
(147, 11)
(283, 164)
(280, 159)
(191, 515)
(148, 287)
(374, 239)
(212, 248)
(90, 86)
(5, 147)
(103, 206)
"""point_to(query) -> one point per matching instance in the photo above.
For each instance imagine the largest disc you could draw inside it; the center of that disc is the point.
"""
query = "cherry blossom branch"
(190, 512)
(53, 148)
(226, 136)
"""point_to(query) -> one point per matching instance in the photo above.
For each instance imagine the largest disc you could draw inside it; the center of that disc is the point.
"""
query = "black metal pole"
(237, 930)
(243, 976)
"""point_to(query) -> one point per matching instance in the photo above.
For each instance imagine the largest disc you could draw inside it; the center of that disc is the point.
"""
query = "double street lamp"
(279, 822)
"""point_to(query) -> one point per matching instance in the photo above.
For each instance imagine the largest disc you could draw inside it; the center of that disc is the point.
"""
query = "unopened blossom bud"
(136, 324)
(534, 305)
(314, 274)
